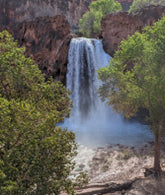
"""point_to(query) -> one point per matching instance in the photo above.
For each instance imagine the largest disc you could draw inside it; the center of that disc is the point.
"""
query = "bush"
(35, 157)
(90, 24)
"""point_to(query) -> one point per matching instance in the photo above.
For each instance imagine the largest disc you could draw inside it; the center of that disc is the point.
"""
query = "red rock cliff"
(47, 42)
(13, 11)
(116, 27)
(38, 26)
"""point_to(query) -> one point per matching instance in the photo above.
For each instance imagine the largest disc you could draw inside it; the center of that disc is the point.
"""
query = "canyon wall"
(47, 42)
(118, 26)
(14, 11)
(43, 27)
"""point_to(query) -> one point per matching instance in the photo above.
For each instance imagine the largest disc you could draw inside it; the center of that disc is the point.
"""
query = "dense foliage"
(90, 23)
(35, 158)
(138, 4)
(136, 78)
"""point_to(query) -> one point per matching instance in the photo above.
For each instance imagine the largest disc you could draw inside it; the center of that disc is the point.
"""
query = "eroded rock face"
(118, 26)
(13, 11)
(47, 42)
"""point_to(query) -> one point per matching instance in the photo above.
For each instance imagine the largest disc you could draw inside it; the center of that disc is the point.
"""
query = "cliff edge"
(118, 26)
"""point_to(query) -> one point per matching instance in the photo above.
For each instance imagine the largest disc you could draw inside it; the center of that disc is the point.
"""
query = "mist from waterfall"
(93, 122)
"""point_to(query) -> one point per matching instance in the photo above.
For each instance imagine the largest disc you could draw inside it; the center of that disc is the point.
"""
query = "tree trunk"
(157, 168)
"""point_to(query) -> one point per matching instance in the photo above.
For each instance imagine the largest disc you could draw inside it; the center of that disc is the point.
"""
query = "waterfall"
(85, 58)
(91, 119)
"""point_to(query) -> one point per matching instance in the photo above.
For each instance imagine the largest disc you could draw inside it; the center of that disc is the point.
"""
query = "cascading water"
(92, 120)
(85, 58)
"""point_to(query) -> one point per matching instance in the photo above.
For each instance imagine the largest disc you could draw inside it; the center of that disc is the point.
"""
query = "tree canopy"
(136, 78)
(35, 157)
(138, 4)
(91, 21)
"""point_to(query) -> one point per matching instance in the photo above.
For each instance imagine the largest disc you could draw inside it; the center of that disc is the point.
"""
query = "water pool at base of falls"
(93, 122)
(95, 133)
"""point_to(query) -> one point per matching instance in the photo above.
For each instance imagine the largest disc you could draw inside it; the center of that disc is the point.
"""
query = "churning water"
(93, 122)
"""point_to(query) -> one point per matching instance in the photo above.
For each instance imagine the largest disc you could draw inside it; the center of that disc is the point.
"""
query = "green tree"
(91, 21)
(136, 78)
(138, 4)
(35, 157)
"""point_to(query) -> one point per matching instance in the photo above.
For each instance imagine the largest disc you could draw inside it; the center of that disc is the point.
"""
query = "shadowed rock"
(47, 42)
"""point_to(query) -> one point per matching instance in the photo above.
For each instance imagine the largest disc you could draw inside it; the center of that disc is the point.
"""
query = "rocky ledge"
(118, 26)
(118, 169)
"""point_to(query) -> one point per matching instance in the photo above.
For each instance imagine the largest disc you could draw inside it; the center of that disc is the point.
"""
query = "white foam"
(94, 122)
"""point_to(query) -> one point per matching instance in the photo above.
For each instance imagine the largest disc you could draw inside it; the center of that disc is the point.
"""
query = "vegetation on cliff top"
(138, 4)
(35, 158)
(90, 24)
(136, 78)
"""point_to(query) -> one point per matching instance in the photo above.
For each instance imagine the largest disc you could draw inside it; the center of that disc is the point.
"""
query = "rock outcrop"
(14, 11)
(125, 4)
(47, 42)
(118, 26)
